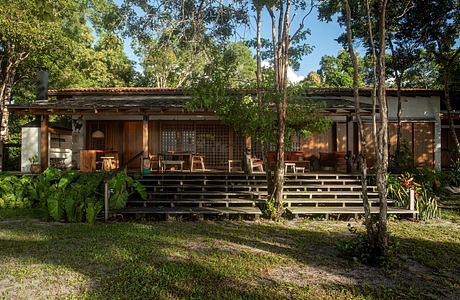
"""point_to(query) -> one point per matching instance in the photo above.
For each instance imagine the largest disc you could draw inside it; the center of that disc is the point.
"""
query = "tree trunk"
(453, 133)
(8, 72)
(362, 139)
(399, 113)
(382, 144)
(264, 146)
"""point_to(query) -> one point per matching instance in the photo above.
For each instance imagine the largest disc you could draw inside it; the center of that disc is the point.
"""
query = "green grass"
(217, 260)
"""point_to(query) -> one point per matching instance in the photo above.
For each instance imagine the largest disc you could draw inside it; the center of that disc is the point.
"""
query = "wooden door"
(132, 143)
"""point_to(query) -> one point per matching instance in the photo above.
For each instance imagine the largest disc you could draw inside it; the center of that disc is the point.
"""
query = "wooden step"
(338, 193)
(331, 200)
(208, 193)
(307, 210)
(202, 201)
(193, 210)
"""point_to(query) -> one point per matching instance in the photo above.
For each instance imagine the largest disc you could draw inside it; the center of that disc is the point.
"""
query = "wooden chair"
(234, 165)
(197, 159)
(155, 163)
(257, 164)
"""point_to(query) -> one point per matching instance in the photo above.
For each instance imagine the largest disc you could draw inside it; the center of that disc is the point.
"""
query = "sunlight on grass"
(218, 260)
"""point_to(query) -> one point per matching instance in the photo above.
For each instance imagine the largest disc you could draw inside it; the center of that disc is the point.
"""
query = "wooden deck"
(219, 193)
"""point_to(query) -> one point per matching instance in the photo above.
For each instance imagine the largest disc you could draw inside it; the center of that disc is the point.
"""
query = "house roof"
(142, 100)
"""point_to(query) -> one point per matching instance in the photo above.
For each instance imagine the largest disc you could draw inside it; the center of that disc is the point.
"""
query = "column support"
(145, 135)
(44, 142)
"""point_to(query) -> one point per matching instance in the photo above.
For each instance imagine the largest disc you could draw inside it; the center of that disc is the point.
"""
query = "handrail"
(109, 177)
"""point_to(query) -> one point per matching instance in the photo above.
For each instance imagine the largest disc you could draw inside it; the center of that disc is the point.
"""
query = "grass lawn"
(218, 260)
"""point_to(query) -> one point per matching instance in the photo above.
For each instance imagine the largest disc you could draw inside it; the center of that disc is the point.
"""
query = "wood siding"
(419, 137)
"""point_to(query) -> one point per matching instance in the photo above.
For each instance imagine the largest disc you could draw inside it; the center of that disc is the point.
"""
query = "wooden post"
(145, 135)
(1, 154)
(411, 199)
(44, 147)
(230, 143)
(106, 200)
(247, 155)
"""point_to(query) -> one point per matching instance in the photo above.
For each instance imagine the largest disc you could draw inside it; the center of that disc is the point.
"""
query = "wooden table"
(173, 163)
(297, 164)
(289, 165)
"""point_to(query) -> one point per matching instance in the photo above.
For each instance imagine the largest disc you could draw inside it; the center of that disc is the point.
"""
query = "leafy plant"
(15, 192)
(93, 208)
(402, 161)
(34, 159)
(426, 201)
(67, 195)
(121, 187)
(452, 174)
(358, 249)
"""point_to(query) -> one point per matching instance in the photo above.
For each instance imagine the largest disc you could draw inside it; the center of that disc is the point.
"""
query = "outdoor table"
(173, 163)
(288, 166)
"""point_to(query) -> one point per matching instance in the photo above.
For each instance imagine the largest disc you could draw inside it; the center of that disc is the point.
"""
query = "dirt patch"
(338, 272)
(205, 246)
(304, 275)
(41, 285)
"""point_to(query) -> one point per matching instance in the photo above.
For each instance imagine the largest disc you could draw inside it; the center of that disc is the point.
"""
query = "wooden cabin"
(112, 125)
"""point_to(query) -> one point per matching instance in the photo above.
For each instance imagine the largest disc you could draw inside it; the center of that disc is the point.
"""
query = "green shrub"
(426, 201)
(67, 195)
(359, 249)
(451, 176)
(16, 192)
(402, 161)
(121, 187)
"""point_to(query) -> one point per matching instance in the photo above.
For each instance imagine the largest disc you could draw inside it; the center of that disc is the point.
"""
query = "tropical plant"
(426, 201)
(121, 187)
(15, 192)
(69, 196)
(452, 175)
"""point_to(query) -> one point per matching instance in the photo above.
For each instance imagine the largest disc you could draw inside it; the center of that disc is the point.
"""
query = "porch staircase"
(228, 194)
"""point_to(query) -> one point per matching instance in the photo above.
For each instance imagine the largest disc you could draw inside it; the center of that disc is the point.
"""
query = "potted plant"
(35, 167)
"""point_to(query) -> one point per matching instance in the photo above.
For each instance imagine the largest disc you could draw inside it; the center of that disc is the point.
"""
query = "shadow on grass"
(215, 260)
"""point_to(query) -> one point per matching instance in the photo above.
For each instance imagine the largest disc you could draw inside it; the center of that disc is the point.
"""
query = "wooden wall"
(419, 136)
(321, 142)
(125, 137)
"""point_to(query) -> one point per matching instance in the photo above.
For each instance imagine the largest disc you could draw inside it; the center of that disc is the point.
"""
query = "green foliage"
(121, 187)
(337, 71)
(241, 110)
(426, 201)
(16, 192)
(69, 196)
(359, 249)
(403, 161)
(396, 191)
(451, 176)
(93, 208)
(269, 209)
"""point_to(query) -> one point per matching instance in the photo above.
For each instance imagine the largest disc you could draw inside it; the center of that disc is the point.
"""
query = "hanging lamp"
(98, 134)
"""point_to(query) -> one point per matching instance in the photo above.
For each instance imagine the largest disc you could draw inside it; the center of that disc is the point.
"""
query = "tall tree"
(437, 24)
(280, 15)
(25, 27)
(337, 71)
(178, 38)
(360, 18)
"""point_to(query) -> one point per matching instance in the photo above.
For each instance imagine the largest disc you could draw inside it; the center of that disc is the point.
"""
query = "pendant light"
(98, 134)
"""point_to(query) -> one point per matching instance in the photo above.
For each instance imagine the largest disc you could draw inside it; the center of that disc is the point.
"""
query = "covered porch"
(153, 128)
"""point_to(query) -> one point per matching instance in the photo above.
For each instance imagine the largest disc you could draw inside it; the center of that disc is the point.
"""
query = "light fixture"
(98, 134)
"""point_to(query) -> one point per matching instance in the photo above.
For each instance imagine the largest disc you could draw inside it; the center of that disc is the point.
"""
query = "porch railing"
(123, 168)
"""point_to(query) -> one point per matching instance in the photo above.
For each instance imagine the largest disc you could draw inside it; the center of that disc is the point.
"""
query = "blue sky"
(322, 37)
